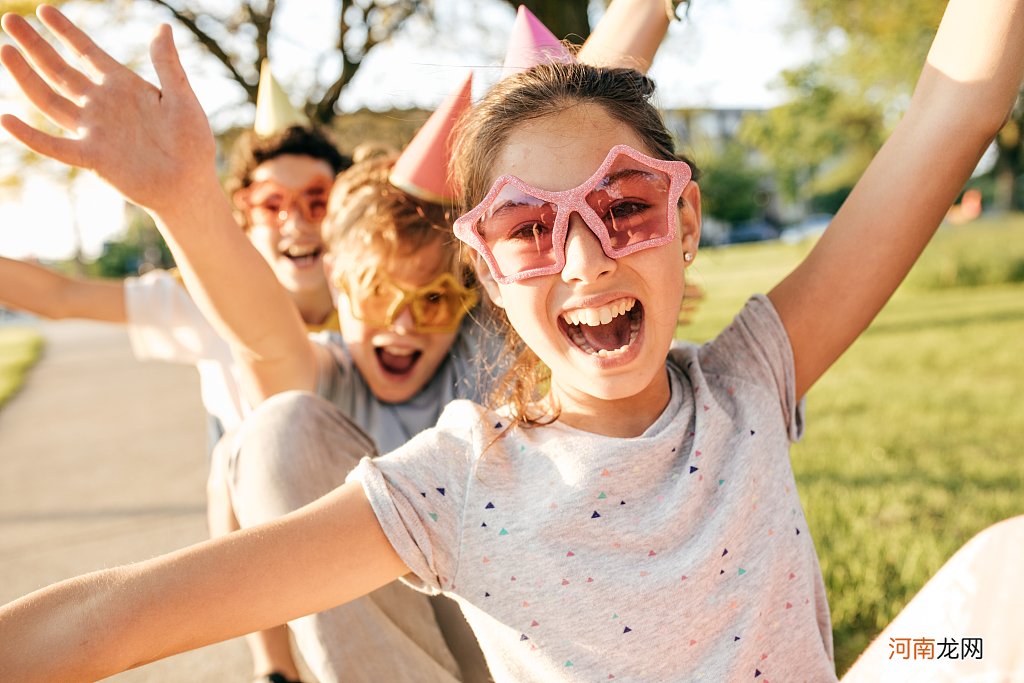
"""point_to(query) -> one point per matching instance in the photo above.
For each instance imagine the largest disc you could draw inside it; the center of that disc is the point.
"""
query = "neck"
(619, 418)
(314, 307)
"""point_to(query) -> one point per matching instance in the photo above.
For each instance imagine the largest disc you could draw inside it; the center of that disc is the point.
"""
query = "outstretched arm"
(966, 90)
(93, 626)
(628, 35)
(155, 146)
(33, 288)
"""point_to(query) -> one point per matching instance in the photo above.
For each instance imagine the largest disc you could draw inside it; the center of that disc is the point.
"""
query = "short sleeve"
(332, 364)
(755, 349)
(419, 492)
(165, 324)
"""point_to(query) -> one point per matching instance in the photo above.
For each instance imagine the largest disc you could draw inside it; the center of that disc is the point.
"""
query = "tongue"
(395, 363)
(608, 337)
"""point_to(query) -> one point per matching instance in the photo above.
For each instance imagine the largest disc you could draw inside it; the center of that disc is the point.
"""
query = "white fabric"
(164, 323)
(679, 555)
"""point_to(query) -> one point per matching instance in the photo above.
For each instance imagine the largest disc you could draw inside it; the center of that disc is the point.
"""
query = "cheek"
(526, 308)
(353, 330)
(264, 240)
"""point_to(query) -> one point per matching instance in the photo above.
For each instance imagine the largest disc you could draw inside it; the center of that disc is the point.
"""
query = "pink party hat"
(532, 44)
(422, 169)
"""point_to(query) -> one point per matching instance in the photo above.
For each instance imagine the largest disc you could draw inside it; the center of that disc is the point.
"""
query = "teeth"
(300, 251)
(605, 313)
(399, 350)
(599, 316)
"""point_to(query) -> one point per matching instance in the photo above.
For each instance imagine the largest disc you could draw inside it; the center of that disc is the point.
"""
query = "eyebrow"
(510, 205)
(624, 173)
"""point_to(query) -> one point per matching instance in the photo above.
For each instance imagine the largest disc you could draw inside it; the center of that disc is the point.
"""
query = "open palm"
(152, 144)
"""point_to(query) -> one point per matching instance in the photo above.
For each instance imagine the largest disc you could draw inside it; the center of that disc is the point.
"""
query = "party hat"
(274, 111)
(422, 169)
(532, 44)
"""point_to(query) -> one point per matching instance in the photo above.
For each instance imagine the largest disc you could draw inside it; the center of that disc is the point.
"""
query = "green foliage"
(730, 185)
(821, 141)
(25, 7)
(873, 51)
(985, 252)
(881, 44)
(906, 454)
(140, 247)
(19, 350)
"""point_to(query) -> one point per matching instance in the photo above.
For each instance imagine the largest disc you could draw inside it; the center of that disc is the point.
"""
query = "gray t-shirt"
(679, 555)
(466, 372)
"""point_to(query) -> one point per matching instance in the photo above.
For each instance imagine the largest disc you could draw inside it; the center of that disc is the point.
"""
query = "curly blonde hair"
(366, 214)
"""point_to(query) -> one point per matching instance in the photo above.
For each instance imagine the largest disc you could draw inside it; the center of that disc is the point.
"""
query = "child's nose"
(404, 322)
(293, 220)
(585, 260)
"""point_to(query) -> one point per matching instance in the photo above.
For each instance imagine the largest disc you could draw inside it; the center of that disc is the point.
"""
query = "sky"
(727, 53)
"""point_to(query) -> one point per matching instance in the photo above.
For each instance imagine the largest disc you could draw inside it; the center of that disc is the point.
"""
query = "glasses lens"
(314, 204)
(273, 206)
(517, 229)
(436, 307)
(372, 300)
(631, 201)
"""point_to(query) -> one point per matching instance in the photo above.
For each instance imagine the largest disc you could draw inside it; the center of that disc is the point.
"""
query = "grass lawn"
(19, 349)
(914, 440)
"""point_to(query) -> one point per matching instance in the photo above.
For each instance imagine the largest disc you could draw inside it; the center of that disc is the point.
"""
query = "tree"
(820, 142)
(873, 52)
(361, 25)
(730, 187)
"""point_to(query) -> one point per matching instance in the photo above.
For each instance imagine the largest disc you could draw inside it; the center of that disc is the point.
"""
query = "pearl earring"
(687, 256)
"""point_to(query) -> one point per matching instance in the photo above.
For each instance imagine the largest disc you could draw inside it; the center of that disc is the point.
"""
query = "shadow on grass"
(940, 321)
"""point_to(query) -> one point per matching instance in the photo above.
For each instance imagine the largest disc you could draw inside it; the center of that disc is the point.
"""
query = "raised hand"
(153, 144)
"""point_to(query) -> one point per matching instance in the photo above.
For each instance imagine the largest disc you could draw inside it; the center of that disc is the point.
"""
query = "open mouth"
(397, 361)
(303, 256)
(605, 331)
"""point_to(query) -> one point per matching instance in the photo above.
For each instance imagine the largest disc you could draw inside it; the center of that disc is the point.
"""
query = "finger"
(167, 64)
(61, 149)
(53, 106)
(41, 54)
(75, 39)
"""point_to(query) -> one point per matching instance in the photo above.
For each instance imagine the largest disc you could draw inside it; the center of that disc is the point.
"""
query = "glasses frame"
(568, 202)
(468, 298)
(293, 199)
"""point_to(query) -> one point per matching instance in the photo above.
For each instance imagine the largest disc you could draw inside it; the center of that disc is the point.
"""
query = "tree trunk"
(564, 18)
(1008, 165)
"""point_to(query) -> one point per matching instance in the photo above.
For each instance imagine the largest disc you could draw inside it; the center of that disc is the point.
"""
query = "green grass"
(914, 440)
(19, 349)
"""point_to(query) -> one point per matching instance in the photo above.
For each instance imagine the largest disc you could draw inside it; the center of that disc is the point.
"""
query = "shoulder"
(754, 338)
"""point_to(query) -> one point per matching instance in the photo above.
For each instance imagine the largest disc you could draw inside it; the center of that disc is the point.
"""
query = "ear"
(690, 217)
(239, 198)
(484, 277)
(240, 204)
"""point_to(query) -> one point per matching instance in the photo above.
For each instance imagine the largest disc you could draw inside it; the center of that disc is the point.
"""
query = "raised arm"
(33, 288)
(965, 92)
(155, 146)
(628, 35)
(93, 626)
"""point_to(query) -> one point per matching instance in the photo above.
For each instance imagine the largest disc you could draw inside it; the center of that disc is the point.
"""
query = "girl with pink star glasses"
(633, 516)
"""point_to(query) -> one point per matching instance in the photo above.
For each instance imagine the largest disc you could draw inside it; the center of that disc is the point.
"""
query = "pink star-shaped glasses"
(629, 203)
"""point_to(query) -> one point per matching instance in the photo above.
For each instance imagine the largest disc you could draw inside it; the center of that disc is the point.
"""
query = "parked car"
(812, 226)
(752, 231)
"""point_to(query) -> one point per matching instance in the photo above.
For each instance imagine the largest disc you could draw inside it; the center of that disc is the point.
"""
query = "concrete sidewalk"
(103, 462)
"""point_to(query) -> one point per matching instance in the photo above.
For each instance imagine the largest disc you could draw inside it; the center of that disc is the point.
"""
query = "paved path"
(103, 462)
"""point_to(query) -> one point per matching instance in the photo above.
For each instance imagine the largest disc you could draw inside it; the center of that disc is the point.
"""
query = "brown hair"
(251, 150)
(535, 93)
(367, 214)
